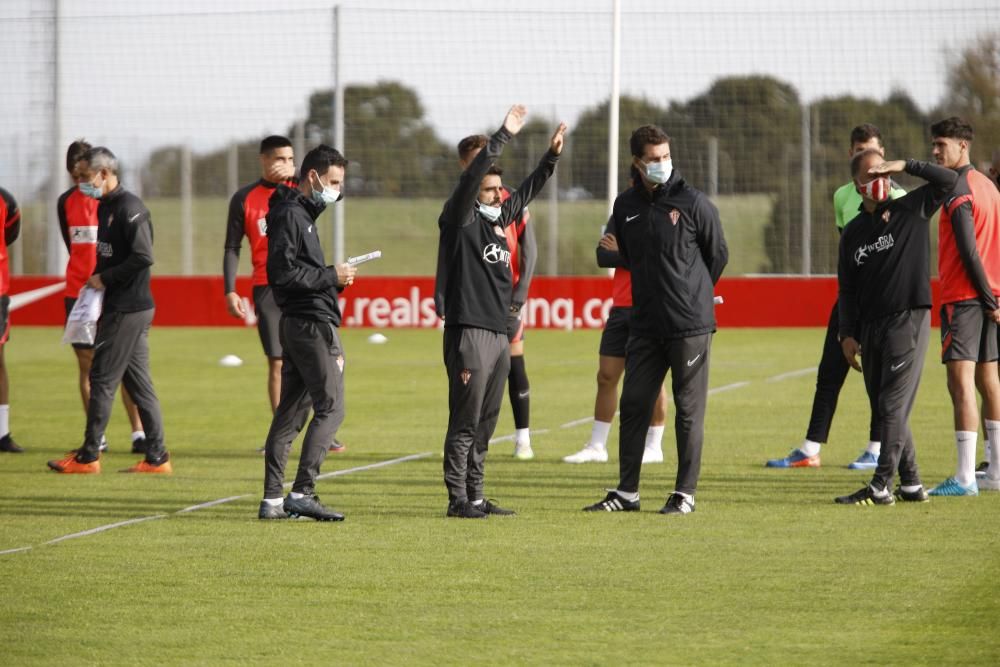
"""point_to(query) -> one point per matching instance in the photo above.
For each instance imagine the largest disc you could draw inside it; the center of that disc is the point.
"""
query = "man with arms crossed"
(883, 275)
(312, 369)
(611, 362)
(477, 298)
(671, 238)
(78, 224)
(969, 271)
(121, 348)
(833, 367)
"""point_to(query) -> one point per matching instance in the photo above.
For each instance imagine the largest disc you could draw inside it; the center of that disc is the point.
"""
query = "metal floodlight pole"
(55, 250)
(338, 132)
(616, 29)
(806, 191)
(187, 216)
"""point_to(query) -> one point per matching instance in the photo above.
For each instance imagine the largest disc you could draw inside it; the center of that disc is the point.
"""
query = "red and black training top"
(78, 225)
(11, 217)
(248, 217)
(969, 241)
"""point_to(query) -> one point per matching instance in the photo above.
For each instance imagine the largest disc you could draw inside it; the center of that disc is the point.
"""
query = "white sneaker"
(523, 452)
(589, 454)
(652, 455)
(988, 484)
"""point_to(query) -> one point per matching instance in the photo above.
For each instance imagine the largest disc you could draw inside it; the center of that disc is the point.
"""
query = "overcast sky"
(136, 75)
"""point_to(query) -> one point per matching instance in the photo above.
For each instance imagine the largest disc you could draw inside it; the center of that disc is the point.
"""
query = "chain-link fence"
(758, 97)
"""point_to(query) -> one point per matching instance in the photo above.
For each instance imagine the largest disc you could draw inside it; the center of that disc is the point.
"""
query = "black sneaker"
(678, 504)
(918, 496)
(139, 446)
(865, 496)
(613, 503)
(490, 507)
(983, 469)
(269, 511)
(463, 509)
(7, 444)
(310, 508)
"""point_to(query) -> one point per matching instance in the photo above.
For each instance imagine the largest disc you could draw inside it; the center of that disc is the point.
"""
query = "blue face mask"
(491, 213)
(90, 190)
(325, 194)
(659, 172)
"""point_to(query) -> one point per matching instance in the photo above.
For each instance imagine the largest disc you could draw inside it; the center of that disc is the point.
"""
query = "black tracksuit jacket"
(124, 252)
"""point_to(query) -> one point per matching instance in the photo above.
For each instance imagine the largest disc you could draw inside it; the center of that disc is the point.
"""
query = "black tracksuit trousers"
(893, 350)
(647, 361)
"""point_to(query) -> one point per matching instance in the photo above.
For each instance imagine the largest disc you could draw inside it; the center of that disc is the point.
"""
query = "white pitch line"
(220, 501)
(792, 374)
(728, 387)
(101, 529)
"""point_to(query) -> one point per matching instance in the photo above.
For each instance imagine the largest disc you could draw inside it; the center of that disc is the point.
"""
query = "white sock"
(136, 435)
(910, 488)
(627, 495)
(273, 502)
(4, 420)
(879, 493)
(965, 443)
(993, 453)
(654, 438)
(522, 436)
(874, 448)
(810, 448)
(477, 502)
(599, 434)
(295, 495)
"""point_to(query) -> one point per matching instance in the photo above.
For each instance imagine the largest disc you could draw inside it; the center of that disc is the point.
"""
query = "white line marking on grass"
(792, 374)
(101, 529)
(14, 551)
(728, 387)
(220, 501)
(211, 503)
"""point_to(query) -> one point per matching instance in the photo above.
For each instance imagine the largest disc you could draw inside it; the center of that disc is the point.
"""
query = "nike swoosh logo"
(896, 367)
(310, 230)
(132, 219)
(692, 361)
(96, 347)
(630, 218)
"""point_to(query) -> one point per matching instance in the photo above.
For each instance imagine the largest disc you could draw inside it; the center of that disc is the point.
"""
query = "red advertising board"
(572, 302)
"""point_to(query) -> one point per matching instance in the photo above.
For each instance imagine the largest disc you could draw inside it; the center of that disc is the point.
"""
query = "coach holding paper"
(671, 239)
(121, 348)
(477, 301)
(312, 364)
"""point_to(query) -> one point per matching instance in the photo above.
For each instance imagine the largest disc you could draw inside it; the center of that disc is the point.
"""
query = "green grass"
(406, 232)
(767, 571)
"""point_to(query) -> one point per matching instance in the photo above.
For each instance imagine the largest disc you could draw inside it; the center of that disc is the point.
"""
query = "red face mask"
(876, 189)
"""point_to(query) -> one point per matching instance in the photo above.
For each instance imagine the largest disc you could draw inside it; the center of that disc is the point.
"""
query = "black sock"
(517, 387)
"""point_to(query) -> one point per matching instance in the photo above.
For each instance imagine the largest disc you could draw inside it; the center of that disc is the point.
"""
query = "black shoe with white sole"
(677, 504)
(865, 496)
(918, 496)
(463, 509)
(269, 511)
(310, 507)
(613, 503)
(490, 507)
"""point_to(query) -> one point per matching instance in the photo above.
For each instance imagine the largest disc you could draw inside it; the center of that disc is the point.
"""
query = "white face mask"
(658, 172)
(491, 213)
(324, 194)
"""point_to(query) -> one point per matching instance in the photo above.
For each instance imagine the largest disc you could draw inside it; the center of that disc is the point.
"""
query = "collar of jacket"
(283, 192)
(114, 194)
(673, 184)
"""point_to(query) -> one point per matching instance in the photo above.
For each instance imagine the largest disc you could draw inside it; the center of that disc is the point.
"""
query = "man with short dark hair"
(477, 299)
(523, 255)
(883, 275)
(121, 348)
(671, 238)
(10, 218)
(77, 215)
(312, 368)
(969, 272)
(833, 367)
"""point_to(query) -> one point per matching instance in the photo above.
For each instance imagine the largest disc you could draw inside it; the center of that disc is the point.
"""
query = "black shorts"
(268, 320)
(69, 302)
(967, 334)
(616, 332)
(515, 327)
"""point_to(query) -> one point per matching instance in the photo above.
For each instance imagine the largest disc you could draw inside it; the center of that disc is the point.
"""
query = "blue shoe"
(951, 487)
(867, 461)
(796, 459)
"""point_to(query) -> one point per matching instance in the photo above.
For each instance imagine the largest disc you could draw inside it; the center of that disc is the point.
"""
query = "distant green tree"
(973, 92)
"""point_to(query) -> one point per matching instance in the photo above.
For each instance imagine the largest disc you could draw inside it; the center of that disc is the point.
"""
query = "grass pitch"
(768, 570)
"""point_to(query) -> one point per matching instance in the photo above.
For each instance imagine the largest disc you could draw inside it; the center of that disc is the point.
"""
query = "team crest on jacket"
(675, 215)
(465, 375)
(498, 230)
(886, 216)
